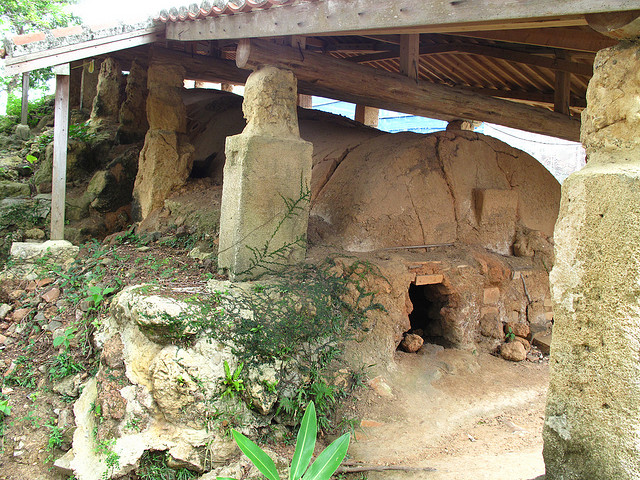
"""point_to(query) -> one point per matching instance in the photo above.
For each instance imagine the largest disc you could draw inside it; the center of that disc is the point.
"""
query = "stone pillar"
(106, 104)
(592, 425)
(267, 177)
(133, 117)
(167, 156)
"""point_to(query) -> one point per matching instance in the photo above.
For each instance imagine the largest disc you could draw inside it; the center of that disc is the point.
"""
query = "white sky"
(127, 11)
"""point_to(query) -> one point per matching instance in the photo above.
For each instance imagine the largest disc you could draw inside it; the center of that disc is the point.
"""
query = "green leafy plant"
(153, 466)
(232, 383)
(321, 469)
(65, 338)
(5, 408)
(97, 295)
(55, 435)
(510, 336)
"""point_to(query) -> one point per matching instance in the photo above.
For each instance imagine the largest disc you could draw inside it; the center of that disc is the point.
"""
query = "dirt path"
(469, 416)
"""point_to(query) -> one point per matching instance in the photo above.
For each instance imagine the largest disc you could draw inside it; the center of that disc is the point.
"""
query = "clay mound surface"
(371, 189)
(411, 189)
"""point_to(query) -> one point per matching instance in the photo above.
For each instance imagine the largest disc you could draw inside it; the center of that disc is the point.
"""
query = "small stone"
(106, 261)
(143, 249)
(85, 305)
(52, 295)
(53, 325)
(69, 386)
(533, 357)
(513, 351)
(518, 329)
(40, 317)
(31, 286)
(411, 343)
(379, 386)
(17, 294)
(2, 339)
(19, 314)
(43, 282)
(5, 309)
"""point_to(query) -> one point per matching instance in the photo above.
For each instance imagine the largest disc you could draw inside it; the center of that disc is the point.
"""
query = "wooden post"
(226, 87)
(367, 115)
(410, 55)
(25, 98)
(562, 92)
(60, 131)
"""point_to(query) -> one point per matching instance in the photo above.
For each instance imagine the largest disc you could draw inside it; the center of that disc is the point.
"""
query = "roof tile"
(216, 8)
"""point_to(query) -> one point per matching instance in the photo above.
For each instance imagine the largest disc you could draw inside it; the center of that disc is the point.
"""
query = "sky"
(127, 11)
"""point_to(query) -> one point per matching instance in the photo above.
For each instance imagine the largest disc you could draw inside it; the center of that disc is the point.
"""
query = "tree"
(18, 17)
(24, 16)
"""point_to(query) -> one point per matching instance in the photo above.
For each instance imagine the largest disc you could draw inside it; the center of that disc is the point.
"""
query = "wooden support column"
(410, 55)
(60, 132)
(562, 92)
(226, 87)
(367, 115)
(25, 98)
(300, 43)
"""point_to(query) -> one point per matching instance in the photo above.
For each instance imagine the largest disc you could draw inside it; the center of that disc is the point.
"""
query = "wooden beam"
(562, 91)
(486, 51)
(381, 89)
(578, 39)
(60, 131)
(24, 114)
(618, 25)
(410, 55)
(92, 48)
(405, 16)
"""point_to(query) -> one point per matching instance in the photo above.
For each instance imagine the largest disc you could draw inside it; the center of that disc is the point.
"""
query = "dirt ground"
(466, 415)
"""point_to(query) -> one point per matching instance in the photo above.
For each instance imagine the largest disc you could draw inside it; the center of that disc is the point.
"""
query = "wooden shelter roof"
(540, 53)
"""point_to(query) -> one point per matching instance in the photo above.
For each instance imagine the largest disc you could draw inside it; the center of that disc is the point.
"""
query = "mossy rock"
(9, 189)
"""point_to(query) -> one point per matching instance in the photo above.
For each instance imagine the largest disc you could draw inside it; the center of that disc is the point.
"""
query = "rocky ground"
(465, 414)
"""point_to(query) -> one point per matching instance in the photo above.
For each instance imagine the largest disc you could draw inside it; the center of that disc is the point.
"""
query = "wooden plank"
(70, 53)
(24, 114)
(331, 77)
(338, 16)
(565, 38)
(410, 55)
(429, 279)
(59, 176)
(305, 101)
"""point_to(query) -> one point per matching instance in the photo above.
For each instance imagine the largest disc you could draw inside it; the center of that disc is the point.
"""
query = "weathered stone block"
(265, 204)
(491, 295)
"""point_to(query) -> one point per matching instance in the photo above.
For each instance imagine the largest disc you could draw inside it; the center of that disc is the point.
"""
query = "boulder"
(57, 250)
(513, 351)
(411, 343)
(13, 189)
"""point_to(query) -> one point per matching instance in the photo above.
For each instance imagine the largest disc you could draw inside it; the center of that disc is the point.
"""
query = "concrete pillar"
(267, 177)
(167, 156)
(592, 424)
(133, 118)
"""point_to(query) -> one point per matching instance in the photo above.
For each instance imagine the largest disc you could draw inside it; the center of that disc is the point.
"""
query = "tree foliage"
(24, 16)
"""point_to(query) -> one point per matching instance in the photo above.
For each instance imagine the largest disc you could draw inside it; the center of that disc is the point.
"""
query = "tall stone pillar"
(592, 424)
(133, 118)
(167, 156)
(108, 98)
(267, 177)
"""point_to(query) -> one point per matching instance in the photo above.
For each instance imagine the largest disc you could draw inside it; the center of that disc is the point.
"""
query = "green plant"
(5, 408)
(55, 435)
(23, 375)
(63, 365)
(97, 295)
(65, 338)
(321, 469)
(232, 383)
(510, 336)
(153, 466)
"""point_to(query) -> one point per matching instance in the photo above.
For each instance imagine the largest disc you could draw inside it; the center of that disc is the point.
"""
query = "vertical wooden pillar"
(562, 93)
(25, 98)
(410, 55)
(60, 131)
